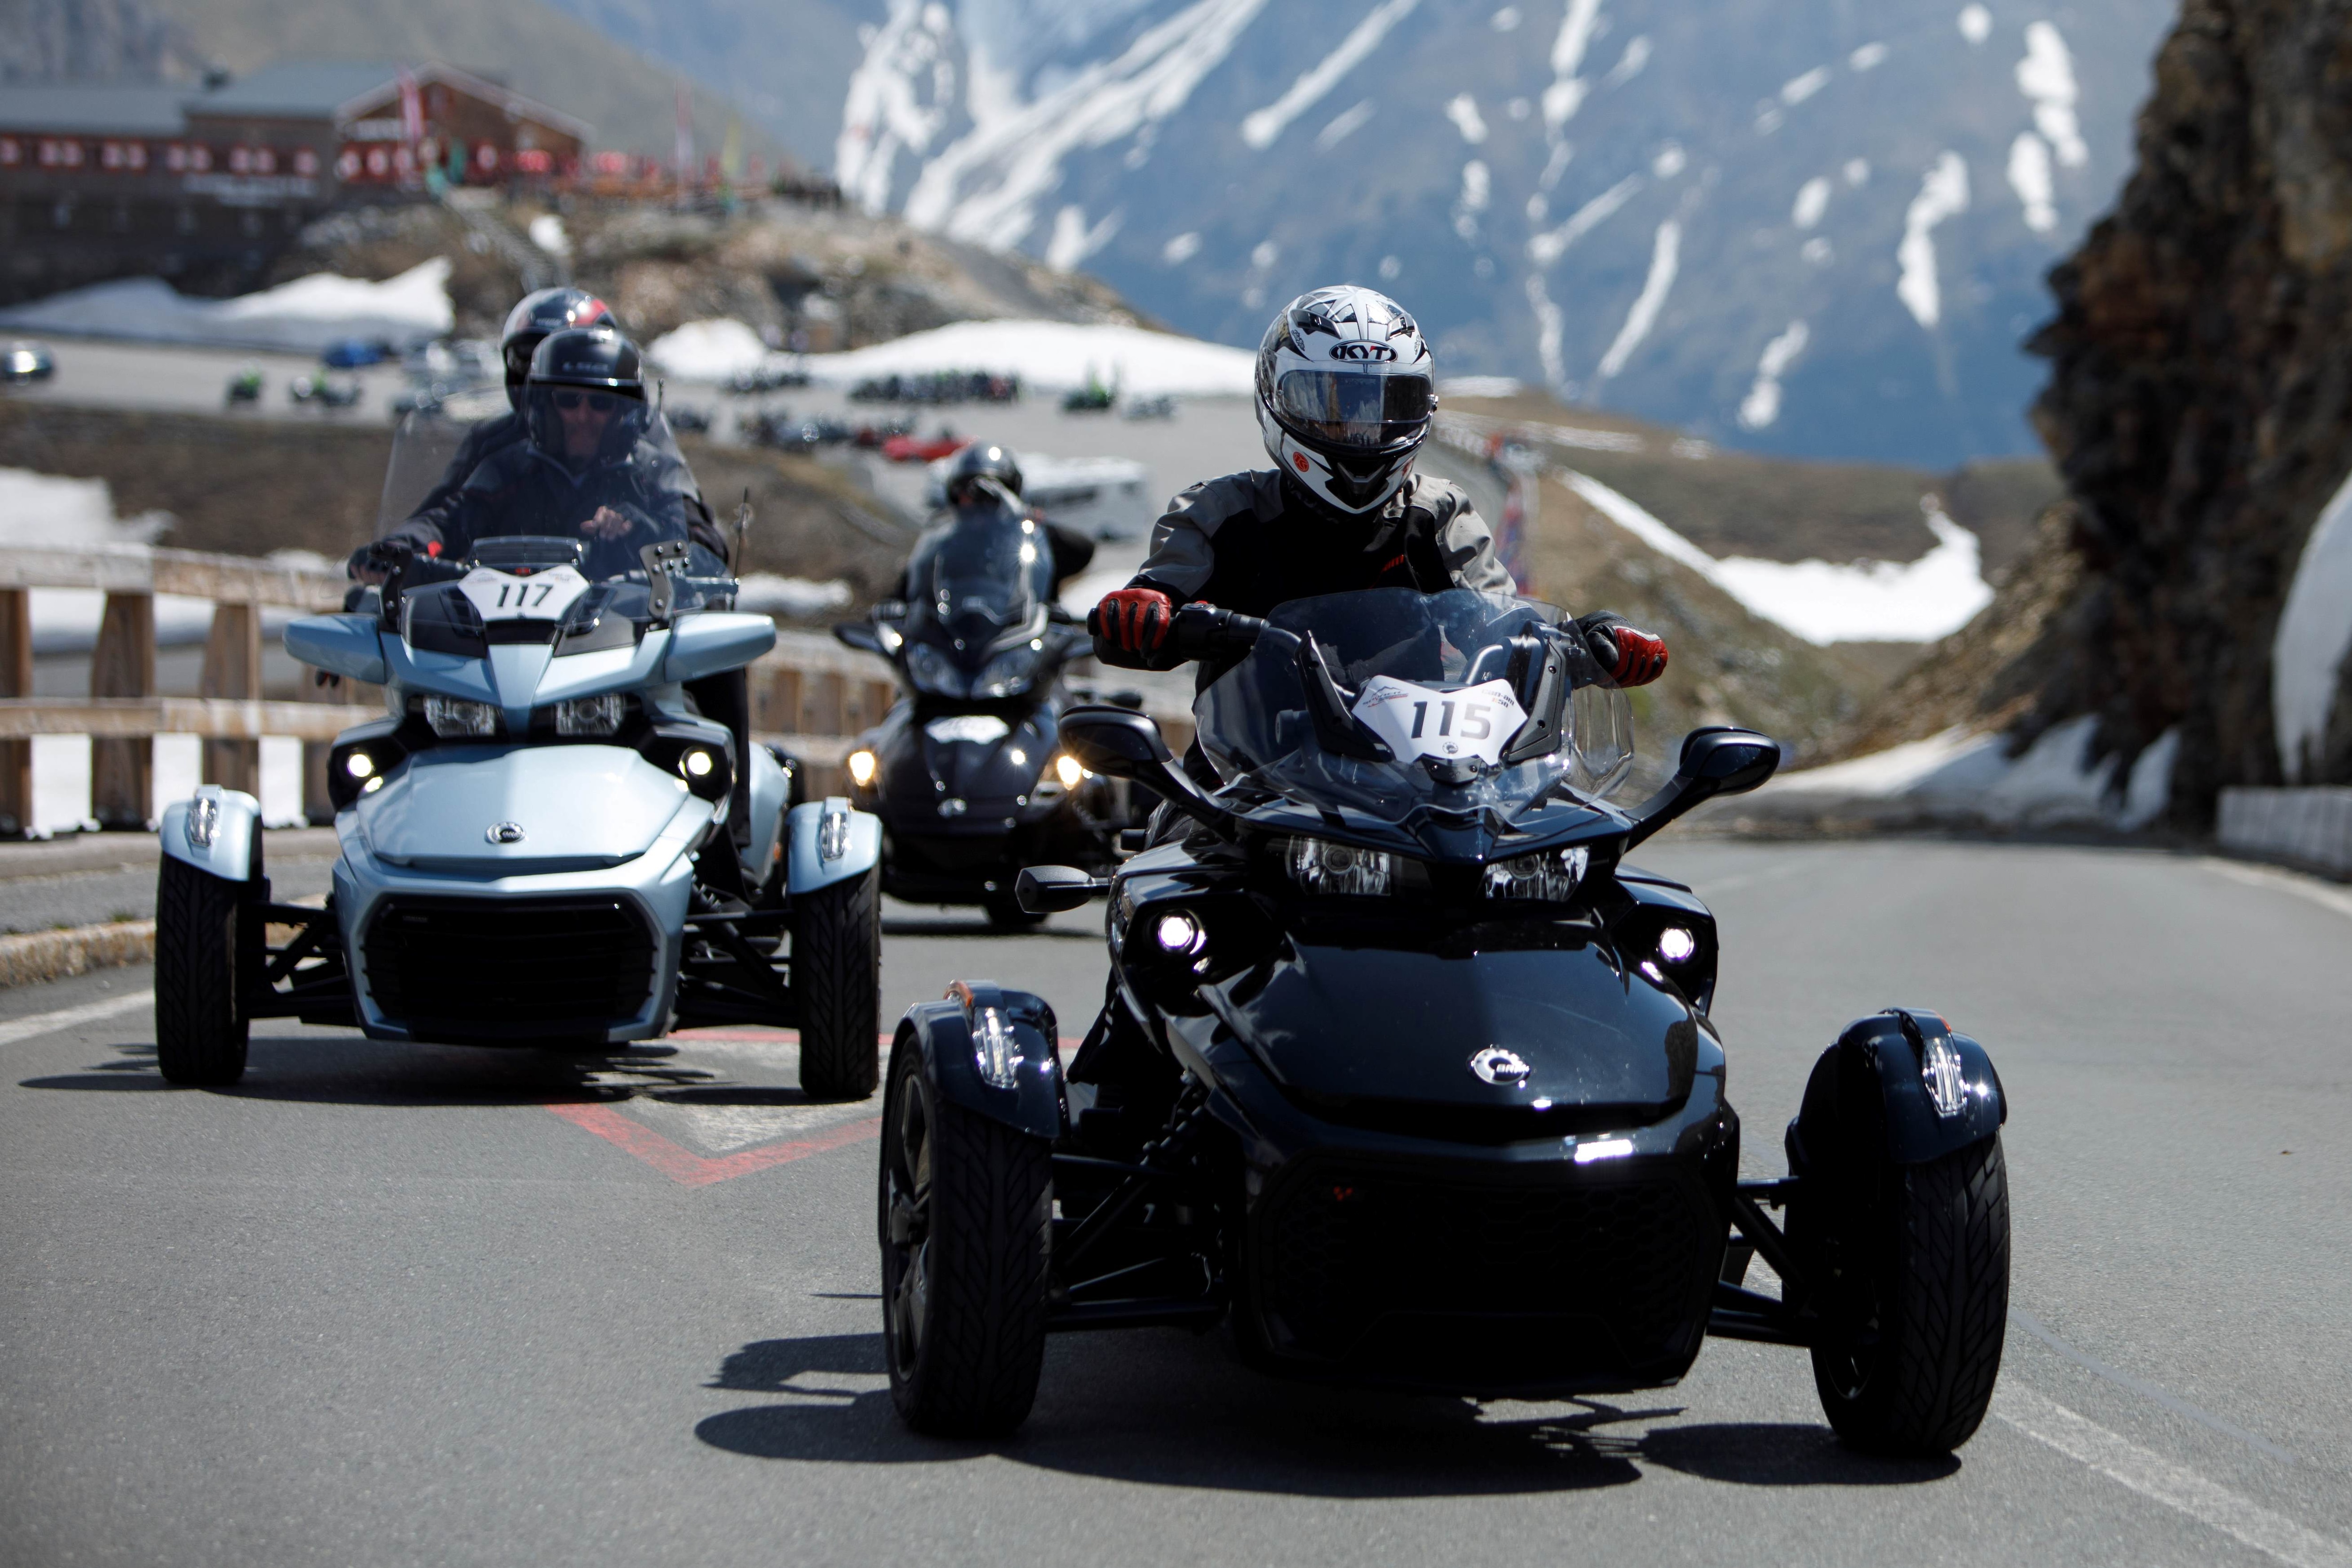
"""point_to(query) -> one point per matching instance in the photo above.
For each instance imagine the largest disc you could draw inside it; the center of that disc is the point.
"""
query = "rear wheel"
(967, 1232)
(837, 981)
(200, 1022)
(1917, 1312)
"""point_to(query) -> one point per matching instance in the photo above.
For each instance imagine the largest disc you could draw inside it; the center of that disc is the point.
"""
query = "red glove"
(1633, 658)
(1134, 620)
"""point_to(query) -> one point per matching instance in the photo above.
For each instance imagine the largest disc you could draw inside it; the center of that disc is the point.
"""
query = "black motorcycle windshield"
(1397, 1025)
(1254, 721)
(985, 571)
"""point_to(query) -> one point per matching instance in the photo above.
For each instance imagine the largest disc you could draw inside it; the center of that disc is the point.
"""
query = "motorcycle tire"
(201, 1028)
(837, 980)
(966, 1212)
(1913, 1330)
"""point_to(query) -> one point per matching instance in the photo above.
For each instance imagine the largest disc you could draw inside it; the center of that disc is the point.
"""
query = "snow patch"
(1549, 322)
(794, 597)
(1054, 354)
(1812, 201)
(884, 113)
(1857, 171)
(1260, 129)
(1665, 259)
(1477, 184)
(1796, 89)
(1763, 404)
(546, 231)
(1566, 93)
(708, 351)
(1506, 20)
(2046, 77)
(1181, 249)
(1629, 63)
(1265, 254)
(303, 316)
(1671, 161)
(1917, 602)
(2029, 176)
(1344, 124)
(1550, 246)
(45, 511)
(1478, 386)
(1463, 110)
(1817, 251)
(1868, 58)
(983, 188)
(1390, 267)
(2052, 785)
(1073, 241)
(1944, 194)
(1976, 24)
(2313, 636)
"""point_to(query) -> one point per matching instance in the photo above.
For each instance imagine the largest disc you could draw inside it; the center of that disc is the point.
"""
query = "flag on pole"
(412, 110)
(685, 138)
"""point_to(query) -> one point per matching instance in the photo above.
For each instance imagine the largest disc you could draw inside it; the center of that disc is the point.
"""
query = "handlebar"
(1198, 632)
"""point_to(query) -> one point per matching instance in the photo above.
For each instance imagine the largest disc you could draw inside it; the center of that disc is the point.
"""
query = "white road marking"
(15, 1030)
(2163, 1396)
(2156, 1477)
(2336, 898)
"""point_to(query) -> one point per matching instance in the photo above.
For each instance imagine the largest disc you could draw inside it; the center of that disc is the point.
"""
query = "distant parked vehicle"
(352, 353)
(327, 392)
(1092, 398)
(687, 419)
(27, 362)
(1148, 408)
(922, 449)
(244, 386)
(765, 379)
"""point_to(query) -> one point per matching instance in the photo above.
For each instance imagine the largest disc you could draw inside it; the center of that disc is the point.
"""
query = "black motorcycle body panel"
(1874, 1090)
(945, 1032)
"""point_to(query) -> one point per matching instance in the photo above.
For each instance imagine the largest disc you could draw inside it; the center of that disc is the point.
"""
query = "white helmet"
(1345, 394)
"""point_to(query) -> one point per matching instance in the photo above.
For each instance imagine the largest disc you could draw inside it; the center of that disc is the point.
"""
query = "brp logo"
(504, 833)
(1503, 1068)
(1365, 353)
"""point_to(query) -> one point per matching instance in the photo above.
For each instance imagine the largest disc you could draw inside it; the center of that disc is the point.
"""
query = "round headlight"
(696, 764)
(1178, 932)
(359, 765)
(1067, 770)
(1676, 945)
(862, 768)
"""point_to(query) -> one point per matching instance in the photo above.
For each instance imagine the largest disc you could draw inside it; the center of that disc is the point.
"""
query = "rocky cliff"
(2200, 402)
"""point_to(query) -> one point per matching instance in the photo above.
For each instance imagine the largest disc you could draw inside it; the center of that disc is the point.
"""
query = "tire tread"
(837, 982)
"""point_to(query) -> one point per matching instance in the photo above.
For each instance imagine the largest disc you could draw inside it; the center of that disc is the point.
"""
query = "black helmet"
(594, 363)
(535, 315)
(979, 462)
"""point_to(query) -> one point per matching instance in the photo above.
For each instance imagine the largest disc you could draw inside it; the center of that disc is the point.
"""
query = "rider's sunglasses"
(600, 401)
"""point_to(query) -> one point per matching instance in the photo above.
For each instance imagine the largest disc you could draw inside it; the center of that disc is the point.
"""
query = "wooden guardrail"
(811, 696)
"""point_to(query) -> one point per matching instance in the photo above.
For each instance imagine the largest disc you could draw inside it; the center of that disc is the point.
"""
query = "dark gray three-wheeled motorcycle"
(1411, 1077)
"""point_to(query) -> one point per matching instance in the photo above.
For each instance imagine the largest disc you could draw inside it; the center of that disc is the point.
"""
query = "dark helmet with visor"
(537, 314)
(978, 468)
(588, 381)
(1346, 391)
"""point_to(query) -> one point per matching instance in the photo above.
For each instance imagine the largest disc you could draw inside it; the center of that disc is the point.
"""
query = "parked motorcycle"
(967, 770)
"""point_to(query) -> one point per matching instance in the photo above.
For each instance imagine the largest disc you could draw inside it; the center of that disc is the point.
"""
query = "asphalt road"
(397, 1305)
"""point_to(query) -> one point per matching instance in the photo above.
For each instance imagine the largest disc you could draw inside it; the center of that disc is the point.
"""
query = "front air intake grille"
(493, 970)
(1484, 1285)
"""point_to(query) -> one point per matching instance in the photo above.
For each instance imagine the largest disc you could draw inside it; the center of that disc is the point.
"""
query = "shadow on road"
(347, 1070)
(937, 926)
(1175, 1409)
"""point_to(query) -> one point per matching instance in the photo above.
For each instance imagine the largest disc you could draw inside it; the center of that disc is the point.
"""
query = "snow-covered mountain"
(1815, 228)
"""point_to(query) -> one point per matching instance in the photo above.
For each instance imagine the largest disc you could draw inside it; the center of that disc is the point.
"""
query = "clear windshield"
(1436, 700)
(427, 442)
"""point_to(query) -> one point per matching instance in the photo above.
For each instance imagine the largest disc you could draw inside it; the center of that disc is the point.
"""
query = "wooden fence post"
(16, 681)
(233, 669)
(122, 771)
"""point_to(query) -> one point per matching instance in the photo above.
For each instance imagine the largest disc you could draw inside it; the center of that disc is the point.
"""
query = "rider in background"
(1346, 394)
(986, 476)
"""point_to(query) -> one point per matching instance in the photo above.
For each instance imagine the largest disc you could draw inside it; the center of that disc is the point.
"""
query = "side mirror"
(345, 645)
(710, 641)
(1717, 760)
(1120, 743)
(859, 635)
(1048, 889)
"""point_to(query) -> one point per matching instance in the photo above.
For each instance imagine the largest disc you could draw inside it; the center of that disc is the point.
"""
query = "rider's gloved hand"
(375, 561)
(1632, 657)
(1133, 620)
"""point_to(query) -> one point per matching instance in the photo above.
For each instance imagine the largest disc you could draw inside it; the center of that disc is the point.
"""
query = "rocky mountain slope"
(1816, 230)
(2200, 401)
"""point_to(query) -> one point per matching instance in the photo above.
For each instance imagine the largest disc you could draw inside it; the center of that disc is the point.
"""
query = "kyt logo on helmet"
(1345, 396)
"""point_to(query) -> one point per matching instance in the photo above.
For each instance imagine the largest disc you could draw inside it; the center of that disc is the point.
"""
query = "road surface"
(398, 1305)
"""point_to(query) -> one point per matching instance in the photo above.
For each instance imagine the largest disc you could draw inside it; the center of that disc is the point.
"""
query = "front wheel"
(200, 1019)
(967, 1225)
(837, 981)
(1915, 1322)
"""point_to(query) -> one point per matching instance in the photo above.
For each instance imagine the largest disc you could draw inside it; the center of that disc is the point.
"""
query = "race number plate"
(541, 596)
(1422, 721)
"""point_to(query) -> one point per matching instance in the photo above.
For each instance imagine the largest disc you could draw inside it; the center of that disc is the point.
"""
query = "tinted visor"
(1352, 408)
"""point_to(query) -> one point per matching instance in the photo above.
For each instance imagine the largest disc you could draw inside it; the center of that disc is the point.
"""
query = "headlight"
(1551, 875)
(1319, 865)
(359, 765)
(1006, 675)
(697, 763)
(932, 671)
(595, 715)
(454, 718)
(1066, 768)
(863, 765)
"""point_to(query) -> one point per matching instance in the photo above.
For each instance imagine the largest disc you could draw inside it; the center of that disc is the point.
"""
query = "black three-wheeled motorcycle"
(1411, 1077)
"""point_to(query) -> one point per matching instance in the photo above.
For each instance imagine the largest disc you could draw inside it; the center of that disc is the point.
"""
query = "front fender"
(1876, 1089)
(807, 866)
(217, 831)
(944, 1031)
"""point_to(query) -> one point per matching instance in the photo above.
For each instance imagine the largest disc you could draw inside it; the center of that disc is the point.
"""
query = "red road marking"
(691, 1169)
